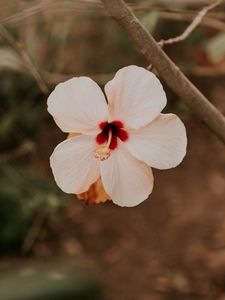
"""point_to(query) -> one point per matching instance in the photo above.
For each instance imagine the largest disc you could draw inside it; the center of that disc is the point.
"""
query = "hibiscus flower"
(120, 140)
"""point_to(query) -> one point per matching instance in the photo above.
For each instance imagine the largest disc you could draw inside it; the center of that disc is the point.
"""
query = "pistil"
(109, 138)
(103, 152)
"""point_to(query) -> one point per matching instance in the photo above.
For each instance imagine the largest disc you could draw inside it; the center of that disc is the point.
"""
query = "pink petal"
(73, 164)
(135, 96)
(78, 105)
(127, 180)
(161, 144)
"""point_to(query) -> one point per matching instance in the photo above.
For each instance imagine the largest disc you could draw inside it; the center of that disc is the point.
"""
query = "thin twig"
(54, 78)
(25, 58)
(173, 76)
(207, 21)
(193, 25)
(197, 20)
(205, 71)
(22, 150)
(34, 231)
(80, 8)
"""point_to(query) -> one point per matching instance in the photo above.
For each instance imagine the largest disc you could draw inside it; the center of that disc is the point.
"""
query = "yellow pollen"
(103, 152)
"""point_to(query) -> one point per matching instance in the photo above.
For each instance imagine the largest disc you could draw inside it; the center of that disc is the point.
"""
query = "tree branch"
(196, 21)
(172, 75)
(207, 21)
(24, 149)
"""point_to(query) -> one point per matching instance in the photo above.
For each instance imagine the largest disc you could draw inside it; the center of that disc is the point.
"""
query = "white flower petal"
(73, 164)
(127, 180)
(78, 105)
(135, 96)
(161, 144)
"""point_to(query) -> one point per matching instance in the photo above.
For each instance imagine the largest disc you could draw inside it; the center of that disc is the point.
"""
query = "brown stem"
(173, 76)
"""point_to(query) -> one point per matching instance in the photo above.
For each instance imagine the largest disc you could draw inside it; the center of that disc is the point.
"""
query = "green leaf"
(10, 60)
(150, 20)
(215, 48)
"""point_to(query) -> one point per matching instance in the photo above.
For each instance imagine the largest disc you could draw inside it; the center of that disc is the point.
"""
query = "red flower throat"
(117, 130)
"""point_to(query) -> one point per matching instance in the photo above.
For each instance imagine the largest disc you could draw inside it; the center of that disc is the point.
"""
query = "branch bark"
(172, 75)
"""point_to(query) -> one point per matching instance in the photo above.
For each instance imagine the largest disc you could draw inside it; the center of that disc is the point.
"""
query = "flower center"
(108, 138)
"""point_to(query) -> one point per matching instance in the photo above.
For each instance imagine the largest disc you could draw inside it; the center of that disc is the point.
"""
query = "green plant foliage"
(150, 20)
(215, 48)
(20, 111)
(14, 218)
(22, 192)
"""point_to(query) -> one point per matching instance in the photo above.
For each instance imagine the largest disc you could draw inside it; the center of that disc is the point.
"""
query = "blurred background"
(52, 245)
